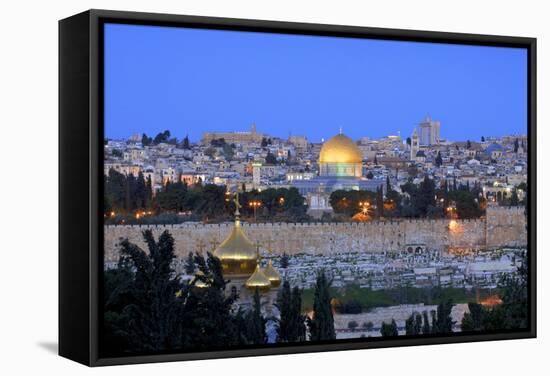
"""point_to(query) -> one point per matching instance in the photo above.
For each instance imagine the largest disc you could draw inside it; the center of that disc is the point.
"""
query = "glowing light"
(491, 301)
(453, 225)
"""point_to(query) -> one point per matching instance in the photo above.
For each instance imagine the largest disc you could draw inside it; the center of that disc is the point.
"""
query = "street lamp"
(364, 205)
(255, 204)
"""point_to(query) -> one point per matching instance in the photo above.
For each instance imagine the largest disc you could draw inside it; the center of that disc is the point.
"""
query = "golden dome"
(237, 253)
(272, 274)
(258, 280)
(236, 246)
(340, 149)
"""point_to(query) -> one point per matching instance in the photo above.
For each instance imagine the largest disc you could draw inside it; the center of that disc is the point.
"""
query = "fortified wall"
(501, 227)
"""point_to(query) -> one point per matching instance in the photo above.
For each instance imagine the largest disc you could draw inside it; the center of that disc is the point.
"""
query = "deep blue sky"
(190, 81)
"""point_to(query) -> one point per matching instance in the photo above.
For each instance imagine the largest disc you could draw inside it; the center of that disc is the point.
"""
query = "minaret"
(414, 145)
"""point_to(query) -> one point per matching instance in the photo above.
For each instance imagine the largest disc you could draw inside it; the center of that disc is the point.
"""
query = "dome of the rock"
(340, 149)
(340, 157)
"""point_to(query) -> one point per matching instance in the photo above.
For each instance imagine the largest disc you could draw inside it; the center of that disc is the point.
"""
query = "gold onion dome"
(272, 274)
(340, 149)
(258, 280)
(237, 253)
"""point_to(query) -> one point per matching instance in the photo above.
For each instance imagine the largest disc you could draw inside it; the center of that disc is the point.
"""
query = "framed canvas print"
(240, 187)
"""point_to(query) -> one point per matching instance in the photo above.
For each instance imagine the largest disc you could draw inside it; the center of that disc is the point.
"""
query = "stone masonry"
(502, 227)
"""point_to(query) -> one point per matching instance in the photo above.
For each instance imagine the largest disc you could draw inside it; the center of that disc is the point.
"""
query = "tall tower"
(429, 131)
(414, 145)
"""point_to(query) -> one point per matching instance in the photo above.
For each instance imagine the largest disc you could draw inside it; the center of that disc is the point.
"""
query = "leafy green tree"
(270, 159)
(466, 202)
(444, 322)
(210, 201)
(210, 152)
(116, 153)
(413, 325)
(389, 330)
(161, 137)
(368, 326)
(218, 142)
(513, 312)
(422, 198)
(152, 316)
(321, 325)
(146, 141)
(207, 319)
(115, 189)
(186, 144)
(474, 319)
(228, 152)
(347, 202)
(172, 197)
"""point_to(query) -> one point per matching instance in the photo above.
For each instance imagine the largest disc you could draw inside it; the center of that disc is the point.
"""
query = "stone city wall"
(501, 227)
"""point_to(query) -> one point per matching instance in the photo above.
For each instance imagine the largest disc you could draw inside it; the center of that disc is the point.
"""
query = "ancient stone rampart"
(501, 227)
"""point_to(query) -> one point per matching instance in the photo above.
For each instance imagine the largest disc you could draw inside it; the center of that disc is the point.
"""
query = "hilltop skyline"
(189, 81)
(259, 130)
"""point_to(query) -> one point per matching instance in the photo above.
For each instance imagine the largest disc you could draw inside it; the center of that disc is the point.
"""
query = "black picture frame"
(81, 174)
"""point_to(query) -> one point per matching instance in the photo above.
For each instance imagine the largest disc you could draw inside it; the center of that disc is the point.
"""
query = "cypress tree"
(380, 201)
(321, 326)
(409, 325)
(285, 321)
(284, 260)
(149, 192)
(256, 322)
(389, 330)
(443, 321)
(438, 159)
(190, 264)
(291, 325)
(140, 192)
(426, 327)
(417, 324)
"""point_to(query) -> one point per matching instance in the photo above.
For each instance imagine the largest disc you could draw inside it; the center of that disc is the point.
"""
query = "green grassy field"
(369, 299)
